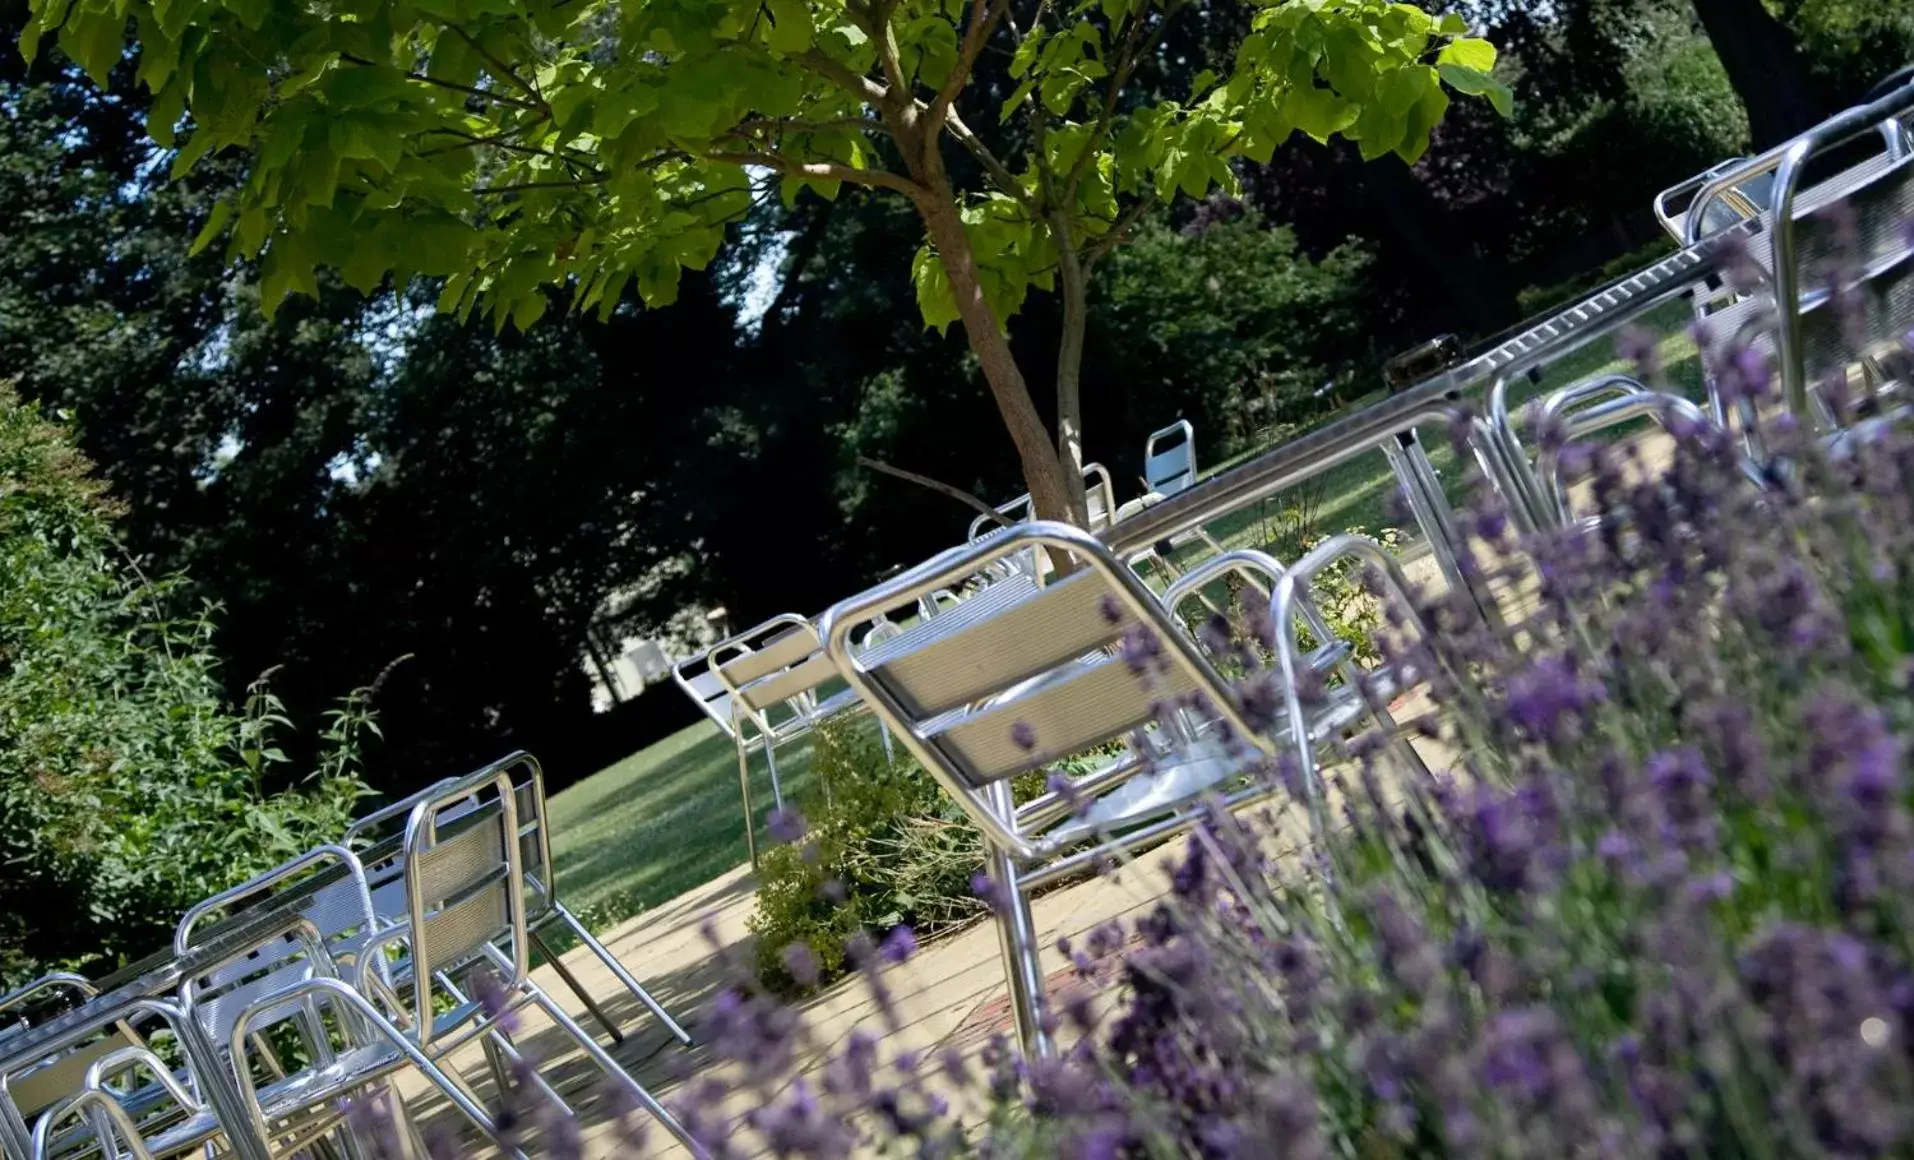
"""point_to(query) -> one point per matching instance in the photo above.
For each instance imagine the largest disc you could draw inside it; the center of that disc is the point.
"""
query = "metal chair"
(99, 1114)
(996, 688)
(1170, 467)
(1536, 491)
(1099, 494)
(542, 906)
(22, 998)
(386, 883)
(286, 980)
(1850, 227)
(466, 913)
(773, 675)
(1290, 609)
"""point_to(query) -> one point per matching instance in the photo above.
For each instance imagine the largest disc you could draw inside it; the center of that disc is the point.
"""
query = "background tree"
(506, 147)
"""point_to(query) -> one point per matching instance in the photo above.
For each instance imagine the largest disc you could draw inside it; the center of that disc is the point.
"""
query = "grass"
(661, 822)
(668, 818)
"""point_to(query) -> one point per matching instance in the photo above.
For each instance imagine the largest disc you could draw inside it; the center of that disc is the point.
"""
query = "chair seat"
(1183, 773)
(1187, 774)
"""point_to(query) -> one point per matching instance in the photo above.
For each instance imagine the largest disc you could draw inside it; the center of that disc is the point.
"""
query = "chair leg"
(611, 1069)
(578, 988)
(744, 790)
(1017, 939)
(618, 969)
(771, 759)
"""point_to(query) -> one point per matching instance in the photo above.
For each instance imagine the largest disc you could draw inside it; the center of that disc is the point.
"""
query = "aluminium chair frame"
(1788, 162)
(424, 854)
(1173, 478)
(1015, 854)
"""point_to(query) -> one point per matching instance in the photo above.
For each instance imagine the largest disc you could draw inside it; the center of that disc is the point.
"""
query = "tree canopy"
(508, 145)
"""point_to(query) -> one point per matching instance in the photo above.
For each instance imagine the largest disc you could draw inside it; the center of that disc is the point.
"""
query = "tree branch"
(999, 173)
(938, 486)
(798, 125)
(1126, 221)
(503, 141)
(984, 16)
(468, 90)
(823, 171)
(845, 77)
(503, 70)
(886, 40)
(514, 187)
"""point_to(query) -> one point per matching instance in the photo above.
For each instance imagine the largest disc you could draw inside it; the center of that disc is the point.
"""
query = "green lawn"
(660, 822)
(668, 818)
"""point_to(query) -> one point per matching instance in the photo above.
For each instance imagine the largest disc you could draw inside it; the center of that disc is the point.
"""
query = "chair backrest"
(700, 681)
(1017, 677)
(773, 665)
(464, 875)
(58, 1068)
(392, 815)
(1169, 458)
(534, 830)
(1098, 492)
(217, 995)
(16, 1004)
(326, 885)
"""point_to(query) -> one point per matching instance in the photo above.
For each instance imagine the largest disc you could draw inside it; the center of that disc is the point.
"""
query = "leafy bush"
(128, 789)
(878, 847)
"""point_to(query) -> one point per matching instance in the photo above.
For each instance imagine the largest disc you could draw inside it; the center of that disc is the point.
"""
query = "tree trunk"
(1478, 297)
(1043, 471)
(1758, 53)
(1074, 286)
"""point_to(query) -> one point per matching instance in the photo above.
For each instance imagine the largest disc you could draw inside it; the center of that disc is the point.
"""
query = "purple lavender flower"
(800, 962)
(899, 945)
(786, 824)
(1547, 696)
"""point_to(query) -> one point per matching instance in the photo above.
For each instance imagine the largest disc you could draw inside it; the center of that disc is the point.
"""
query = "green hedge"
(129, 789)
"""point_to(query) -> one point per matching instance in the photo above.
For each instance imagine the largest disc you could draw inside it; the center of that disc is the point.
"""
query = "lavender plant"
(1656, 904)
(1657, 901)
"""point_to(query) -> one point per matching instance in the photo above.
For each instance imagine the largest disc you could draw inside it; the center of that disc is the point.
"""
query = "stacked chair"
(289, 1004)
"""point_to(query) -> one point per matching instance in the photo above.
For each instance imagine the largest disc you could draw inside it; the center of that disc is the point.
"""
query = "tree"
(1767, 69)
(506, 145)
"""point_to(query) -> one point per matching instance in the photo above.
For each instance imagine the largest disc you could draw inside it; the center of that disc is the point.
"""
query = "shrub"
(880, 847)
(128, 788)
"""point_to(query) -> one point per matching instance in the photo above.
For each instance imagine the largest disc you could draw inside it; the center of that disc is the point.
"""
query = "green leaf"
(791, 29)
(215, 225)
(1478, 84)
(1422, 119)
(169, 105)
(1016, 99)
(1469, 53)
(934, 298)
(1451, 24)
(1318, 112)
(453, 60)
(95, 40)
(1026, 54)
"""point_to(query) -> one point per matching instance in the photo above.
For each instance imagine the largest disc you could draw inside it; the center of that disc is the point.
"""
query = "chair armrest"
(182, 934)
(79, 984)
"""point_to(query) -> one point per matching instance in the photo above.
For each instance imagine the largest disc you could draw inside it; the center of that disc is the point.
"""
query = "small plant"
(876, 846)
